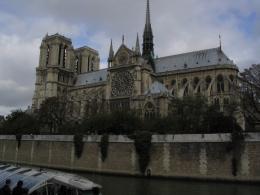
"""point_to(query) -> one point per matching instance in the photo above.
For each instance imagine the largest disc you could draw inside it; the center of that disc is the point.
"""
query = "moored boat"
(47, 182)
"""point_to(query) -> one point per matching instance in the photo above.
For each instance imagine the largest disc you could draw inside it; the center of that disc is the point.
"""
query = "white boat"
(48, 182)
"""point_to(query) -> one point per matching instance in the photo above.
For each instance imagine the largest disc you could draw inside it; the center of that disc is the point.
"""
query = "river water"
(114, 185)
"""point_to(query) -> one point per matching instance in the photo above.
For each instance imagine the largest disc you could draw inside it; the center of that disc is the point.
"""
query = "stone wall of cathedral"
(86, 101)
(216, 84)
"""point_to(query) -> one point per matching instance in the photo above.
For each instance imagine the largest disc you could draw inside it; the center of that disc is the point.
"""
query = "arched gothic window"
(77, 65)
(173, 93)
(231, 77)
(47, 55)
(220, 84)
(149, 112)
(173, 82)
(59, 77)
(92, 64)
(88, 63)
(80, 64)
(195, 82)
(184, 81)
(226, 101)
(199, 90)
(60, 48)
(65, 53)
(208, 81)
(186, 92)
(70, 108)
(216, 102)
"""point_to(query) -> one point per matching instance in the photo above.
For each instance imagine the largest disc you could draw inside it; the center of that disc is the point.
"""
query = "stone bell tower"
(56, 69)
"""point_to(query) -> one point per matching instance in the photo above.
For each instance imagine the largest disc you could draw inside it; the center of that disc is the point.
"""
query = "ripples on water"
(113, 185)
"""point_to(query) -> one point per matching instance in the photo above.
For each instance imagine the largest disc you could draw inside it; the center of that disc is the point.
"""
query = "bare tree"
(250, 94)
(52, 113)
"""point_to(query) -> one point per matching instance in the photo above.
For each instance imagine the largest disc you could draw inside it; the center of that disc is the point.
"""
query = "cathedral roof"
(86, 48)
(57, 35)
(157, 88)
(92, 77)
(196, 59)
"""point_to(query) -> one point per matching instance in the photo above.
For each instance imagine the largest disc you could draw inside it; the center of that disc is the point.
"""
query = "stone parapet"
(198, 156)
(174, 138)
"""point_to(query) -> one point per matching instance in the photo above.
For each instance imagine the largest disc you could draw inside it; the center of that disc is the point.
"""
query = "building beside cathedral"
(133, 80)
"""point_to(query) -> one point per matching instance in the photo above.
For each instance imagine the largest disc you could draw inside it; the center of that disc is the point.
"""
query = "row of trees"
(19, 122)
(188, 115)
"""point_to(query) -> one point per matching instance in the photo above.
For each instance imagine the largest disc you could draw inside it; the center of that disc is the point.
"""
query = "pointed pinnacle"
(220, 42)
(111, 51)
(137, 46)
(123, 39)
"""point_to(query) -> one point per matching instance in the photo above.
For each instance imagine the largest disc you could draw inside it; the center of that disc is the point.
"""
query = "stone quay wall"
(200, 156)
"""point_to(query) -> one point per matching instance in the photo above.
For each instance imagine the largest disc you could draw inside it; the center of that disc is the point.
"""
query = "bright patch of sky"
(246, 22)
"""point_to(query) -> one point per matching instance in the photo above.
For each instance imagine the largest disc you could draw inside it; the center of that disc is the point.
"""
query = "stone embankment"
(203, 156)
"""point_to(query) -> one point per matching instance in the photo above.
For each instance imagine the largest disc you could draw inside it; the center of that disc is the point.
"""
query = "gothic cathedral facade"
(133, 80)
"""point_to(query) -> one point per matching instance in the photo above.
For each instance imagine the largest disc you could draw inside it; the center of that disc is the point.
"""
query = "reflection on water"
(113, 185)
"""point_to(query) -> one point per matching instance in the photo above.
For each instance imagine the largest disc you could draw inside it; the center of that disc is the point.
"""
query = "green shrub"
(104, 142)
(19, 122)
(237, 141)
(78, 145)
(143, 146)
(18, 138)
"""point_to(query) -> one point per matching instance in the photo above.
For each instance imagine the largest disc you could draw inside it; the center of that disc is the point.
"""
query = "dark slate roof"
(191, 60)
(92, 77)
(86, 48)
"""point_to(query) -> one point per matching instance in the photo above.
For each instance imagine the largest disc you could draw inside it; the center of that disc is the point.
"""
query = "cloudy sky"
(178, 25)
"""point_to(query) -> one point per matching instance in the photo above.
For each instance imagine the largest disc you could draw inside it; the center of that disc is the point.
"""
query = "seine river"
(113, 185)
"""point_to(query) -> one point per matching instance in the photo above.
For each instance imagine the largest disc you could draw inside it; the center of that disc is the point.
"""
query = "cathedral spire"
(220, 42)
(148, 17)
(137, 46)
(111, 53)
(123, 39)
(148, 50)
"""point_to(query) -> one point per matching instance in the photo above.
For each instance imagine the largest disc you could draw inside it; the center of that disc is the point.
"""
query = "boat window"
(4, 167)
(4, 176)
(32, 181)
(13, 169)
(86, 192)
(40, 191)
(14, 179)
(37, 174)
(63, 190)
(25, 171)
(52, 189)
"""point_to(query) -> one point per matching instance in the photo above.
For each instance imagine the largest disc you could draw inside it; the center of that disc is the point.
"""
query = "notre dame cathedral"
(133, 80)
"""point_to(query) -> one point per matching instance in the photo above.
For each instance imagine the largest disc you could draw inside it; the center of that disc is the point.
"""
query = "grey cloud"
(13, 94)
(179, 25)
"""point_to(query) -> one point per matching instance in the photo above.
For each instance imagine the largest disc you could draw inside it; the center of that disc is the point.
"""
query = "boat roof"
(34, 179)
